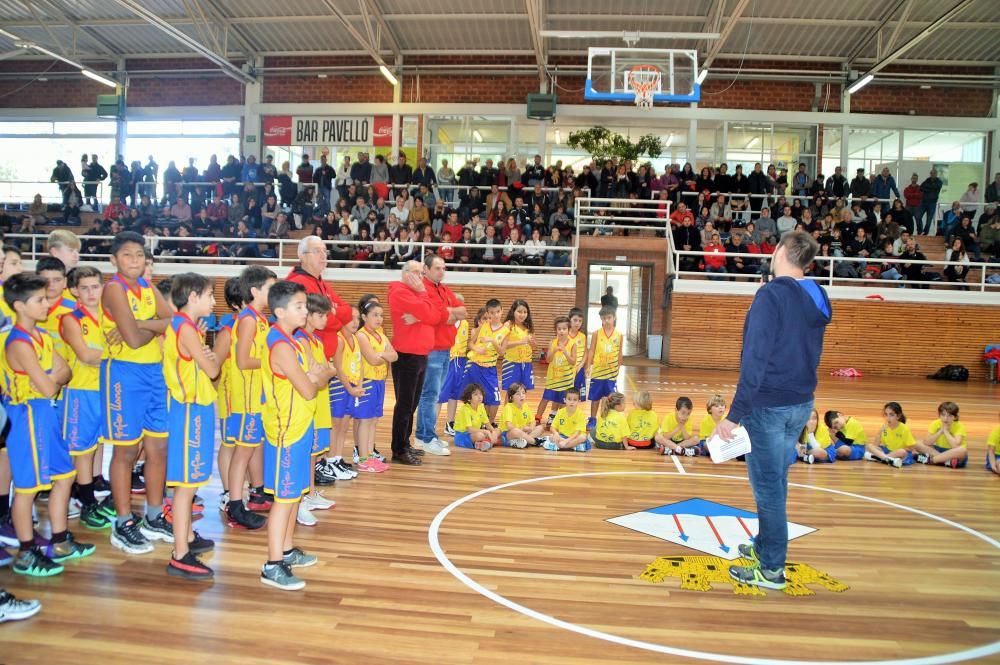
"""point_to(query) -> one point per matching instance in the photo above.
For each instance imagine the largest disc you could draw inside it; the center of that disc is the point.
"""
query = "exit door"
(630, 285)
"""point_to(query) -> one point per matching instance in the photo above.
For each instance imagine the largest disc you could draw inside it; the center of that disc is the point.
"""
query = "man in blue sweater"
(782, 344)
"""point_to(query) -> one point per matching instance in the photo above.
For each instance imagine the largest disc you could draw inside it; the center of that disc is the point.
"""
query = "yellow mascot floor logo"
(699, 573)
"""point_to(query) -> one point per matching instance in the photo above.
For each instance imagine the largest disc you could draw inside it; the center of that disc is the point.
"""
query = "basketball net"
(644, 81)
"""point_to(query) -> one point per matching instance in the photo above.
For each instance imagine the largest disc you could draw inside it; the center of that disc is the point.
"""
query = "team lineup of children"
(87, 363)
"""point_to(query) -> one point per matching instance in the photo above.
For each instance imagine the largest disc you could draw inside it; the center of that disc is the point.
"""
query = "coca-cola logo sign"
(277, 132)
(339, 131)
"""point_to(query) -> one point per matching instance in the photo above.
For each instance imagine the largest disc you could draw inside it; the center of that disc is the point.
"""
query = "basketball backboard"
(608, 74)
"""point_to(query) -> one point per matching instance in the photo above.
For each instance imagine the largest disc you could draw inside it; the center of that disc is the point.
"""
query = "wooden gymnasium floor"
(919, 587)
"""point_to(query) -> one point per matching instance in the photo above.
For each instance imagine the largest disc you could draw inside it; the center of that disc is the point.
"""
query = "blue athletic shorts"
(245, 429)
(321, 440)
(37, 453)
(557, 396)
(370, 405)
(580, 383)
(512, 373)
(463, 440)
(224, 438)
(961, 463)
(190, 443)
(997, 457)
(342, 403)
(133, 402)
(831, 453)
(857, 451)
(288, 469)
(907, 461)
(486, 377)
(600, 388)
(80, 415)
(453, 381)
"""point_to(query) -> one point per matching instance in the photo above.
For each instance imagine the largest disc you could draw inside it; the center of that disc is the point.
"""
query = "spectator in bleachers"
(766, 225)
(704, 218)
(989, 237)
(837, 185)
(965, 231)
(993, 190)
(722, 180)
(446, 179)
(957, 253)
(361, 209)
(287, 189)
(401, 173)
(281, 227)
(489, 175)
(678, 216)
(237, 211)
(555, 258)
(268, 171)
(510, 176)
(403, 249)
(490, 255)
(801, 182)
(71, 204)
(218, 211)
(323, 177)
(419, 212)
(268, 213)
(686, 237)
(715, 257)
(930, 191)
(970, 200)
(119, 180)
(361, 170)
(302, 207)
(62, 175)
(213, 172)
(786, 222)
(913, 271)
(738, 265)
(115, 210)
(588, 180)
(37, 211)
(534, 249)
(203, 224)
(757, 184)
(887, 229)
(534, 173)
(901, 215)
(342, 249)
(230, 176)
(452, 226)
(706, 182)
(304, 172)
(381, 248)
(888, 271)
(424, 174)
(496, 198)
(721, 213)
(513, 249)
(883, 185)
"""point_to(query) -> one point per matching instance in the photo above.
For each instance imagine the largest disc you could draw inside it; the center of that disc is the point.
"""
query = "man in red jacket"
(437, 360)
(309, 273)
(415, 314)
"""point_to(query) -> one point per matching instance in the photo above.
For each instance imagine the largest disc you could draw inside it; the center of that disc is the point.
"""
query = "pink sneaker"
(367, 466)
(380, 466)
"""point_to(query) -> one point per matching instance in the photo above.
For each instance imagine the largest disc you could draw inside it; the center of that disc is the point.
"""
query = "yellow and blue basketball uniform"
(611, 430)
(80, 402)
(468, 418)
(853, 435)
(57, 310)
(323, 422)
(899, 438)
(642, 426)
(37, 453)
(993, 446)
(482, 366)
(223, 401)
(560, 373)
(133, 394)
(288, 425)
(373, 378)
(342, 403)
(518, 416)
(190, 411)
(246, 385)
(670, 422)
(8, 313)
(517, 366)
(957, 428)
(457, 359)
(569, 424)
(605, 365)
(580, 379)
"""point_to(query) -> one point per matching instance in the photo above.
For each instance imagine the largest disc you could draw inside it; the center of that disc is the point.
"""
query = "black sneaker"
(128, 538)
(35, 563)
(757, 576)
(92, 517)
(200, 545)
(43, 496)
(551, 419)
(241, 518)
(323, 473)
(158, 528)
(539, 440)
(189, 567)
(379, 456)
(102, 487)
(69, 549)
(138, 484)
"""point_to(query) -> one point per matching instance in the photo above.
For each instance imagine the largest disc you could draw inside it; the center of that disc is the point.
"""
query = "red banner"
(277, 130)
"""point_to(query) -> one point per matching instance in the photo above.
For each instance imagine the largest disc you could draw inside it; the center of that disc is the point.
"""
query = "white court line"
(435, 545)
(677, 463)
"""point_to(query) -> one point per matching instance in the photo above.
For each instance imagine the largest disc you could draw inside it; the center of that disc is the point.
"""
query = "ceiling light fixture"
(860, 83)
(702, 75)
(670, 140)
(388, 75)
(94, 76)
(477, 135)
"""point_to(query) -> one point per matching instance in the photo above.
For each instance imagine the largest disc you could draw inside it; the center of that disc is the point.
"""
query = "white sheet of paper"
(723, 451)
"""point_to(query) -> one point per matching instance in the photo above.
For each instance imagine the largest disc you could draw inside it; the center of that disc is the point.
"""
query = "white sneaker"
(440, 442)
(518, 443)
(809, 459)
(223, 502)
(418, 444)
(871, 458)
(73, 511)
(304, 516)
(316, 501)
(340, 472)
(897, 462)
(435, 448)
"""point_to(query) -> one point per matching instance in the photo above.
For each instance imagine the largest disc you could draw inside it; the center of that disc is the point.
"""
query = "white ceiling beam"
(903, 17)
(724, 33)
(248, 47)
(68, 19)
(535, 24)
(384, 30)
(874, 32)
(369, 48)
(193, 44)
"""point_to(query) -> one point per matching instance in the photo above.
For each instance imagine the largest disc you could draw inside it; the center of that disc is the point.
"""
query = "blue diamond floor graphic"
(706, 526)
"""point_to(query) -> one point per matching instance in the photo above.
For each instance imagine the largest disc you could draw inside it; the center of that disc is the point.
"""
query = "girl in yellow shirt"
(472, 426)
(895, 441)
(518, 428)
(642, 422)
(518, 348)
(993, 451)
(814, 443)
(945, 442)
(612, 427)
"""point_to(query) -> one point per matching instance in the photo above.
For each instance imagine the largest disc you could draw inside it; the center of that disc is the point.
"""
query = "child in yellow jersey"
(814, 443)
(376, 355)
(80, 402)
(65, 245)
(11, 266)
(561, 358)
(133, 394)
(246, 389)
(604, 358)
(611, 429)
(642, 422)
(569, 429)
(451, 389)
(346, 391)
(945, 442)
(847, 434)
(895, 441)
(518, 348)
(716, 411)
(677, 435)
(473, 428)
(189, 367)
(291, 382)
(518, 428)
(222, 347)
(993, 450)
(484, 352)
(39, 458)
(318, 307)
(578, 336)
(54, 272)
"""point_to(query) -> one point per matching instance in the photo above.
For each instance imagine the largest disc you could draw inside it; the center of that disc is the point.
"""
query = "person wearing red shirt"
(715, 257)
(452, 226)
(678, 216)
(309, 273)
(415, 315)
(438, 358)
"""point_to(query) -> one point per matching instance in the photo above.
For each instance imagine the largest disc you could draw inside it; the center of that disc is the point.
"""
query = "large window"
(959, 158)
(785, 146)
(461, 139)
(178, 141)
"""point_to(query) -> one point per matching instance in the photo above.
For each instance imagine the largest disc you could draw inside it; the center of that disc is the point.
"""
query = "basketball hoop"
(644, 81)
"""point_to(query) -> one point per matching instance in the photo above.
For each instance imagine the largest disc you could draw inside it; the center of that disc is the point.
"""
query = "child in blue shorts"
(376, 356)
(484, 352)
(346, 391)
(946, 441)
(895, 441)
(993, 450)
(847, 435)
(451, 389)
(472, 425)
(561, 358)
(518, 349)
